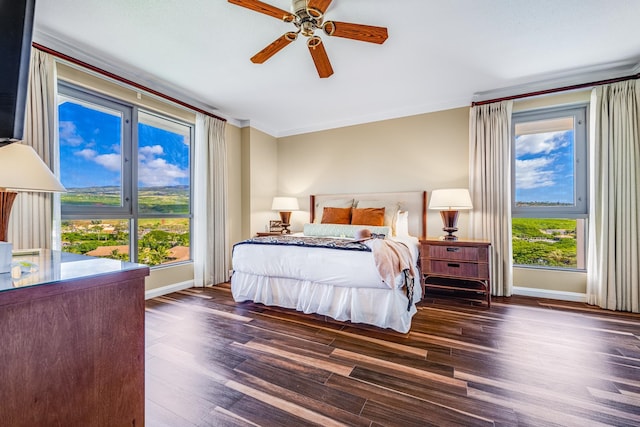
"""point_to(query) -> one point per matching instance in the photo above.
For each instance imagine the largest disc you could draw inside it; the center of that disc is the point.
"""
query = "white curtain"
(30, 224)
(613, 279)
(490, 186)
(210, 235)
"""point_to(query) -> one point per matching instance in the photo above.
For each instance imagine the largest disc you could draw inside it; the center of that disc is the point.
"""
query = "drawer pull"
(453, 249)
(453, 265)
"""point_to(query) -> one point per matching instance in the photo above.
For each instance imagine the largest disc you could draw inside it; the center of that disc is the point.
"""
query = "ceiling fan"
(308, 16)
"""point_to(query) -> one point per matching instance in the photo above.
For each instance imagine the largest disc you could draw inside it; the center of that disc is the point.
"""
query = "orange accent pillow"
(367, 216)
(336, 216)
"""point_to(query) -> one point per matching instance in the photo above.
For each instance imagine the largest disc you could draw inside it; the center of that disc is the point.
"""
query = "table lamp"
(449, 202)
(285, 205)
(21, 169)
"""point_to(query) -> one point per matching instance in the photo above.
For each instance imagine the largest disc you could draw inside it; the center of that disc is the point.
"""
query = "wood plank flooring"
(524, 362)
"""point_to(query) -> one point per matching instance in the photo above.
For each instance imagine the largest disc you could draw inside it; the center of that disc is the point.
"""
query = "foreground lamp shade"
(285, 205)
(449, 202)
(21, 169)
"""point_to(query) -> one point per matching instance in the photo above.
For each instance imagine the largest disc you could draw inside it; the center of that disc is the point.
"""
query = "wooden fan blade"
(320, 58)
(365, 33)
(267, 9)
(321, 5)
(275, 47)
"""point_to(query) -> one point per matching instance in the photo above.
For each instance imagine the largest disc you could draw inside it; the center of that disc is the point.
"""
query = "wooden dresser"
(72, 341)
(461, 265)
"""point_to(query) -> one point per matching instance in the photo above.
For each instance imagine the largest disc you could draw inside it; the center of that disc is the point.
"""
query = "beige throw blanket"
(391, 258)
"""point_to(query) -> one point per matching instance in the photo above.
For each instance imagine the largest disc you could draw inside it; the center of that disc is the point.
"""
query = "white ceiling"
(440, 53)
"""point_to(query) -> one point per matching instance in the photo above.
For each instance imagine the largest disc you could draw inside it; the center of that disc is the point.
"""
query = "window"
(549, 188)
(128, 176)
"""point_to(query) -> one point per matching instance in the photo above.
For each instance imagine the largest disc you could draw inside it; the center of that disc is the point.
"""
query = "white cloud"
(68, 134)
(159, 173)
(534, 173)
(152, 171)
(539, 143)
(149, 152)
(109, 161)
(87, 153)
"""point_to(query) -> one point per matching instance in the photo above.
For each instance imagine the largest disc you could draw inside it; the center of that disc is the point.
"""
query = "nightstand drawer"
(458, 269)
(461, 253)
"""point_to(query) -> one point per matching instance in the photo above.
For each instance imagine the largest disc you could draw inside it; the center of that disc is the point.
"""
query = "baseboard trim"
(548, 293)
(157, 292)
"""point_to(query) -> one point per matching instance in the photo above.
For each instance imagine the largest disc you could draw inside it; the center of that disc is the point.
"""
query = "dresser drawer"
(461, 253)
(470, 270)
(460, 265)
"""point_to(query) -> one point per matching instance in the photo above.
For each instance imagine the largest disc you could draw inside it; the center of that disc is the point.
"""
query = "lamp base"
(285, 217)
(6, 203)
(450, 220)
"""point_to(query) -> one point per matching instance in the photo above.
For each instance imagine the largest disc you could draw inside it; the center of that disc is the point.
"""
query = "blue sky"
(90, 151)
(544, 167)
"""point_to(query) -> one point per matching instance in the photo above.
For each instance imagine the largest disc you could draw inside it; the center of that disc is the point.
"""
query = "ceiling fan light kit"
(308, 16)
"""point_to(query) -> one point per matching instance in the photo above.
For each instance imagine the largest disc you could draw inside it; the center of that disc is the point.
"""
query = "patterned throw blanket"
(312, 242)
(391, 258)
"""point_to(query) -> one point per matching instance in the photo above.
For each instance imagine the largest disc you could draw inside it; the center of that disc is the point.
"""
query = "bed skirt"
(385, 308)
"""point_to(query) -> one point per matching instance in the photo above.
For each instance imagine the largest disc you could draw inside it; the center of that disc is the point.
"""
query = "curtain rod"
(559, 89)
(122, 79)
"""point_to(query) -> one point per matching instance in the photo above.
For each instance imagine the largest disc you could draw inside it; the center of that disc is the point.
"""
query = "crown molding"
(568, 78)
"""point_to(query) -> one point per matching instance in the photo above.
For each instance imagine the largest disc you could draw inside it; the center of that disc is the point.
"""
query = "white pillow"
(342, 230)
(402, 224)
(334, 203)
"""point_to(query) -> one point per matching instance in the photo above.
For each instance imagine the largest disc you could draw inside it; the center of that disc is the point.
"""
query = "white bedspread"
(342, 284)
(354, 269)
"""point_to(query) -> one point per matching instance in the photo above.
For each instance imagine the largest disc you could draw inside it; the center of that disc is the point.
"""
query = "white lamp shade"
(450, 199)
(21, 169)
(285, 204)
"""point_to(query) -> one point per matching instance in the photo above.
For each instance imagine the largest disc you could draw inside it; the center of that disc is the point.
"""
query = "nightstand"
(462, 264)
(269, 233)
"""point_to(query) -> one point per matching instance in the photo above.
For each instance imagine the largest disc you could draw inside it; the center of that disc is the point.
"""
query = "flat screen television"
(16, 24)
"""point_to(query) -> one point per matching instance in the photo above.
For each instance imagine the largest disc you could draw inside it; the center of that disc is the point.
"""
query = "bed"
(324, 270)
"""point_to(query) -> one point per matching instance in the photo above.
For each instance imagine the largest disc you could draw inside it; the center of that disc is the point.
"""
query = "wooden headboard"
(414, 202)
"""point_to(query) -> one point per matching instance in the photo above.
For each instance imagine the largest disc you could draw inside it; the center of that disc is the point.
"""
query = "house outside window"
(549, 182)
(128, 172)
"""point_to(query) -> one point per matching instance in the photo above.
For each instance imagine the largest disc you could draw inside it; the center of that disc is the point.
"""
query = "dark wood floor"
(524, 362)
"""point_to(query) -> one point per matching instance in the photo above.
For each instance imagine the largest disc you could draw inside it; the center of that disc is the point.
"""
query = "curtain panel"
(30, 224)
(490, 185)
(210, 205)
(613, 279)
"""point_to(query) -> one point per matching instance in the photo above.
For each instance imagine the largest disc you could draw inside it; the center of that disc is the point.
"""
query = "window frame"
(580, 210)
(581, 163)
(129, 209)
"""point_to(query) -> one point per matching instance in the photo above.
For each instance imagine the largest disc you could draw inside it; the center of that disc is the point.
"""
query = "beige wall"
(259, 180)
(422, 152)
(234, 169)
